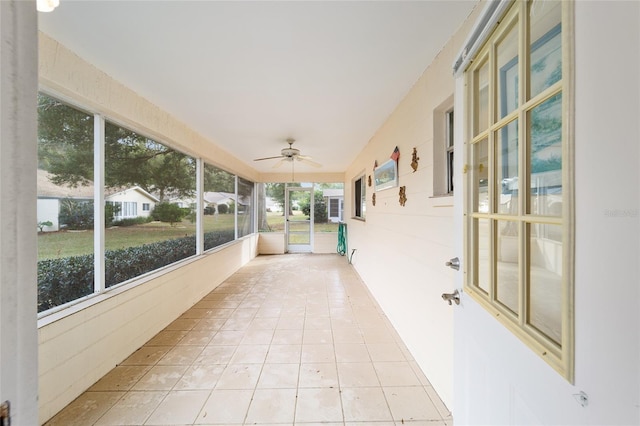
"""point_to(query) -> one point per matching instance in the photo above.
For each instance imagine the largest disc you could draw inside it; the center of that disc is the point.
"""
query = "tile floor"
(287, 340)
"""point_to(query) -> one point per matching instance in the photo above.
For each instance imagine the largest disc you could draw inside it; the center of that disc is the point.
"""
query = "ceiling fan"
(290, 154)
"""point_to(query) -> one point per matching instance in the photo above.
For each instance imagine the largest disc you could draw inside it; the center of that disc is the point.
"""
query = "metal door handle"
(455, 297)
(453, 263)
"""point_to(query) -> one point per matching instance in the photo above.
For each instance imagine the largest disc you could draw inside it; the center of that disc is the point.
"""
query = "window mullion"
(524, 181)
(98, 203)
(199, 206)
(235, 209)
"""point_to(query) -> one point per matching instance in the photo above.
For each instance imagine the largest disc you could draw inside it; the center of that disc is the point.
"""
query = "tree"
(65, 149)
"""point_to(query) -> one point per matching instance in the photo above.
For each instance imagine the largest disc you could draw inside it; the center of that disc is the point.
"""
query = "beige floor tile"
(352, 352)
(226, 407)
(181, 355)
(410, 403)
(227, 337)
(167, 338)
(284, 354)
(318, 405)
(132, 409)
(313, 336)
(214, 354)
(121, 378)
(272, 406)
(396, 374)
(347, 335)
(365, 404)
(276, 376)
(318, 353)
(209, 324)
(182, 324)
(147, 355)
(287, 337)
(257, 337)
(178, 408)
(197, 337)
(355, 374)
(240, 376)
(243, 342)
(160, 377)
(200, 377)
(385, 352)
(318, 375)
(250, 354)
(86, 409)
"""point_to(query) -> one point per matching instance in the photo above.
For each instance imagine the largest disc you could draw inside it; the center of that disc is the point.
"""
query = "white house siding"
(48, 210)
(133, 195)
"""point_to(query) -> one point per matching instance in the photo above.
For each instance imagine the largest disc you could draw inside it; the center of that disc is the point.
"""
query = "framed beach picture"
(385, 176)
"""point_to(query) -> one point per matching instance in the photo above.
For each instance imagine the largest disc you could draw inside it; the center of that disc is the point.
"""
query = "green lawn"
(276, 223)
(53, 245)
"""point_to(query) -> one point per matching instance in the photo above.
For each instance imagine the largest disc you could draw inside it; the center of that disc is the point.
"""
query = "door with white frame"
(298, 223)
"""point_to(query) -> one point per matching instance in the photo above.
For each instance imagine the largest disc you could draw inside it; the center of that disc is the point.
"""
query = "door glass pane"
(507, 168)
(482, 233)
(545, 133)
(480, 172)
(507, 264)
(546, 44)
(219, 201)
(507, 50)
(299, 217)
(545, 279)
(481, 96)
(65, 203)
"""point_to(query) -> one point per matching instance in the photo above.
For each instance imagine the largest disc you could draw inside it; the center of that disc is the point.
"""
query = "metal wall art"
(403, 195)
(414, 160)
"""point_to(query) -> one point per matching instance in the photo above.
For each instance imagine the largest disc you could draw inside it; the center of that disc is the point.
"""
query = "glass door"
(298, 214)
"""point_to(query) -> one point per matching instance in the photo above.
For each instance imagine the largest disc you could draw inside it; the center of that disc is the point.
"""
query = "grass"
(53, 245)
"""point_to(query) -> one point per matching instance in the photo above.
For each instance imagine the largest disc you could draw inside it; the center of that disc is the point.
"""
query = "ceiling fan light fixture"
(47, 5)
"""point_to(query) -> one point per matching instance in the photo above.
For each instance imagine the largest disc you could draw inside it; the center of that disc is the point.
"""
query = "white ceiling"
(248, 75)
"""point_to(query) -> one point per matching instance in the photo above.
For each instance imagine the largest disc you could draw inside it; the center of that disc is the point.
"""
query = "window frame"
(99, 290)
(559, 356)
(359, 186)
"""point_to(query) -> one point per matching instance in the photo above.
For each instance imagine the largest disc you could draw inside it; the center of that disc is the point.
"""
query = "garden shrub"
(63, 280)
(223, 208)
(131, 221)
(169, 212)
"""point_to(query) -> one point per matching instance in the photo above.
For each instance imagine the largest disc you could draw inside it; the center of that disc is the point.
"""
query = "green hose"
(342, 239)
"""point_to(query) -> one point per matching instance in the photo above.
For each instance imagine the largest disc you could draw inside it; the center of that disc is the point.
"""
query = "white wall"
(502, 381)
(401, 251)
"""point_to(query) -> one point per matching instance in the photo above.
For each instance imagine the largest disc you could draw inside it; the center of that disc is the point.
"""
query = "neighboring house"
(132, 202)
(49, 196)
(335, 202)
(214, 199)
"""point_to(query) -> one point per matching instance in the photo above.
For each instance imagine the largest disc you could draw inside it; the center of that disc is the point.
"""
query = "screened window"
(245, 207)
(149, 207)
(219, 206)
(65, 203)
(136, 168)
(519, 247)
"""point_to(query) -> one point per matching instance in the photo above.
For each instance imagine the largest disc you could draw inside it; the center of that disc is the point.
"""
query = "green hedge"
(70, 278)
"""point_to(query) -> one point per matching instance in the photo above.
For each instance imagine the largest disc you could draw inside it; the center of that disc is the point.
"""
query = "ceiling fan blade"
(268, 158)
(280, 163)
(308, 161)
